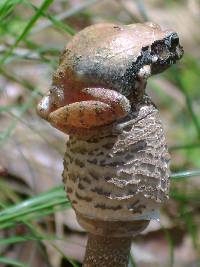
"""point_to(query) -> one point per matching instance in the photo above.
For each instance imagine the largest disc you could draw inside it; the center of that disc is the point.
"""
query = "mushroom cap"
(112, 56)
(115, 57)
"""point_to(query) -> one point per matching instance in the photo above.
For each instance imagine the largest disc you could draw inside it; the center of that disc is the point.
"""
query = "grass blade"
(19, 239)
(7, 133)
(27, 28)
(132, 261)
(185, 146)
(177, 77)
(142, 9)
(6, 6)
(35, 207)
(55, 22)
(184, 174)
(69, 13)
(170, 245)
(12, 262)
(47, 201)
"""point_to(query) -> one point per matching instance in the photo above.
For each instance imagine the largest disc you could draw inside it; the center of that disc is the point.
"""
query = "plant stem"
(107, 251)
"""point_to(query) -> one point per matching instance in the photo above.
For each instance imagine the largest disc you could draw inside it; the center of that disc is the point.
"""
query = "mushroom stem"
(107, 251)
(109, 242)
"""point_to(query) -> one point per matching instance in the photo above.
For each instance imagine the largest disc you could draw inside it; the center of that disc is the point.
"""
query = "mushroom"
(116, 165)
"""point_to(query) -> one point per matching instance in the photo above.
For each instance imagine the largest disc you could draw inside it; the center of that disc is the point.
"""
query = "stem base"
(107, 251)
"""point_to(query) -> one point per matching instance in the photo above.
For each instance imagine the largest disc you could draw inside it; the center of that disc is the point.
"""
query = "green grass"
(27, 28)
(38, 207)
(55, 199)
(12, 262)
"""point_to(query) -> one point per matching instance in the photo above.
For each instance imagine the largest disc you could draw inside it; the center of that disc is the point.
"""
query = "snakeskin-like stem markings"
(127, 173)
(101, 248)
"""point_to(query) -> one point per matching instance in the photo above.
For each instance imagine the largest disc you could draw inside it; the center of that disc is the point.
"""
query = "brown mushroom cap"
(101, 53)
(110, 56)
